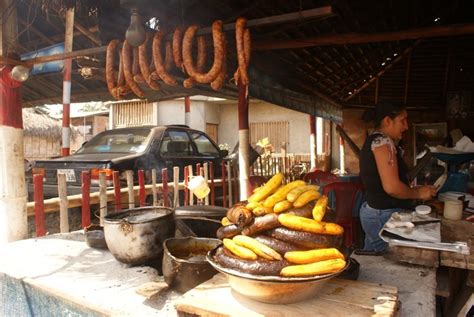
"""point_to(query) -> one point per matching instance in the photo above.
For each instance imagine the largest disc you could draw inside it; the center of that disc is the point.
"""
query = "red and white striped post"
(13, 197)
(312, 141)
(342, 166)
(187, 111)
(66, 132)
(244, 141)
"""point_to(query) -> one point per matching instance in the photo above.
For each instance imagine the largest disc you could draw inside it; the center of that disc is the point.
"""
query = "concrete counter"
(60, 275)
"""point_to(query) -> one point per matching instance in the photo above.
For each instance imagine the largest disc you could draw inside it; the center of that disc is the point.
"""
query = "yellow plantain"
(238, 250)
(316, 255)
(320, 208)
(267, 189)
(316, 268)
(253, 205)
(282, 206)
(257, 247)
(309, 225)
(306, 197)
(296, 192)
(261, 210)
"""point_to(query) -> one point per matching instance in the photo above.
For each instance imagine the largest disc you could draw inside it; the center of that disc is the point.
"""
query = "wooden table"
(338, 297)
(451, 230)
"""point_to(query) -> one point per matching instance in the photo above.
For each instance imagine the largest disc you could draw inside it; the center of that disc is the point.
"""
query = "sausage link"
(158, 60)
(127, 71)
(201, 60)
(220, 79)
(240, 44)
(219, 52)
(143, 62)
(109, 68)
(177, 53)
(306, 239)
(280, 246)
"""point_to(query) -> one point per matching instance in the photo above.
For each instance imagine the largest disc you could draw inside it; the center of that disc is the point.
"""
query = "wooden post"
(283, 158)
(39, 204)
(229, 182)
(153, 187)
(213, 188)
(312, 141)
(131, 196)
(86, 198)
(175, 186)
(103, 196)
(206, 177)
(141, 186)
(164, 182)
(186, 190)
(191, 193)
(116, 180)
(223, 184)
(63, 204)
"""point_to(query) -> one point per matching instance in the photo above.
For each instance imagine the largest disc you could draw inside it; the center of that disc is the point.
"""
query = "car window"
(117, 141)
(176, 143)
(204, 145)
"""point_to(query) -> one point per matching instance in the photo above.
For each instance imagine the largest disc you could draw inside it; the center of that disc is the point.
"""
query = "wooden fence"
(291, 165)
(164, 194)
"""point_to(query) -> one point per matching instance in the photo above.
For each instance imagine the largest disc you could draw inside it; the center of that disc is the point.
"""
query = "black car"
(145, 147)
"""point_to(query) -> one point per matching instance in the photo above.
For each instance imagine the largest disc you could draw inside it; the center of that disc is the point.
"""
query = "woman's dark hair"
(382, 109)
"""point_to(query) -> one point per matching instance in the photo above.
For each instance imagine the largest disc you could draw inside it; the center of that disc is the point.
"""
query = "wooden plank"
(175, 186)
(429, 258)
(131, 196)
(153, 187)
(457, 230)
(102, 196)
(336, 298)
(63, 204)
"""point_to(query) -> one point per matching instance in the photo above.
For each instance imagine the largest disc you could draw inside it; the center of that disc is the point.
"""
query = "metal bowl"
(273, 289)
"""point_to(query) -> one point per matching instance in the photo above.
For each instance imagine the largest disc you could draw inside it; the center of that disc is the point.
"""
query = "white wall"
(172, 112)
(265, 112)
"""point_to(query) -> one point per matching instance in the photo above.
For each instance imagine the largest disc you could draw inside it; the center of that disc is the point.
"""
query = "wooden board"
(457, 230)
(338, 298)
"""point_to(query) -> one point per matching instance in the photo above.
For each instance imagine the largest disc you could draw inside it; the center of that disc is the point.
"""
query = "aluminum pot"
(135, 236)
(184, 262)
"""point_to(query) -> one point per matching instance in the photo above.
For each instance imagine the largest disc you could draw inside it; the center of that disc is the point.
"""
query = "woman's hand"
(426, 192)
(470, 218)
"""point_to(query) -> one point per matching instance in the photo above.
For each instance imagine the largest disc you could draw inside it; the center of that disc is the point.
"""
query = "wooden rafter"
(380, 73)
(359, 38)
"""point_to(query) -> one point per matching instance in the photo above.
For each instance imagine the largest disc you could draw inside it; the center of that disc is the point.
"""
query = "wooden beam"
(87, 33)
(348, 140)
(359, 38)
(380, 73)
(278, 19)
(73, 54)
(36, 31)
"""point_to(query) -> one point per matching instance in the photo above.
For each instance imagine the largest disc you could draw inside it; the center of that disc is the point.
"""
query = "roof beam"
(359, 38)
(91, 36)
(380, 73)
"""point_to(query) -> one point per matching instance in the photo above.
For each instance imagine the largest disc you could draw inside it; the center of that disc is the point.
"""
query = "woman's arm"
(387, 165)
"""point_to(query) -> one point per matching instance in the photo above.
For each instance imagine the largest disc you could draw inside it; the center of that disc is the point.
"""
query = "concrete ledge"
(60, 275)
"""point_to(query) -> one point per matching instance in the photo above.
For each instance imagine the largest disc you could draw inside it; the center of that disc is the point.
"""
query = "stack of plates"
(455, 195)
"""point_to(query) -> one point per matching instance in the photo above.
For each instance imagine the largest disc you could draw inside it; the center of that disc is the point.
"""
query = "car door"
(176, 149)
(206, 150)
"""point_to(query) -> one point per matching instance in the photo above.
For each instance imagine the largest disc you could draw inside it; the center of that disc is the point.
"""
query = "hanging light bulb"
(20, 73)
(135, 34)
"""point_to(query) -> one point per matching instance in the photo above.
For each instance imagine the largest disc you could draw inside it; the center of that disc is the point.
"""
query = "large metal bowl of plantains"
(276, 247)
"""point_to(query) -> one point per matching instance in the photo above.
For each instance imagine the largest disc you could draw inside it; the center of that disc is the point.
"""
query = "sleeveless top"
(376, 196)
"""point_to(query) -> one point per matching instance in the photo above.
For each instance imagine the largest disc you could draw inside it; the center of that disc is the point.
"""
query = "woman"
(383, 173)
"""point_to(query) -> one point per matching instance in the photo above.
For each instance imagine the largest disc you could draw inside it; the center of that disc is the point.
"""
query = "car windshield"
(118, 141)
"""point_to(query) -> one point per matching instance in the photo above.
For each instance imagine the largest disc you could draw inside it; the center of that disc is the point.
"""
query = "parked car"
(145, 147)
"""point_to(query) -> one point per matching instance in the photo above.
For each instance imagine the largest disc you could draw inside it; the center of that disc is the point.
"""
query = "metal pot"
(135, 236)
(273, 289)
(184, 262)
